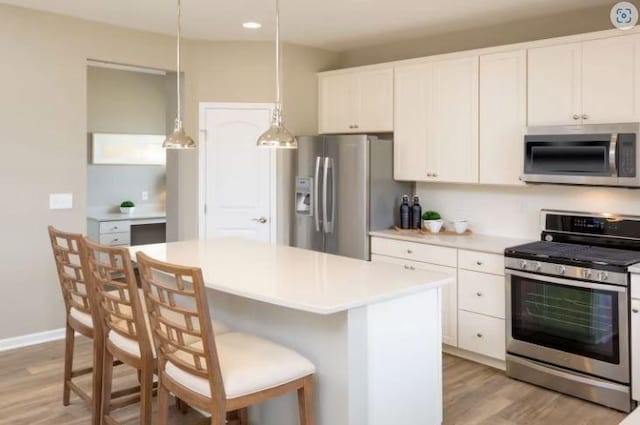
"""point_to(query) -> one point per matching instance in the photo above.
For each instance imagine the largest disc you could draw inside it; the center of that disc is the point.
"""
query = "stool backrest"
(188, 343)
(76, 291)
(120, 309)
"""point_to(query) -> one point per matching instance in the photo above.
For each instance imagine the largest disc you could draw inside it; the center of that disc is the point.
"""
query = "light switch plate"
(60, 201)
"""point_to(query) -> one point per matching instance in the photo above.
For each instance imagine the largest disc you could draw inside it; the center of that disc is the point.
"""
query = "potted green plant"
(433, 221)
(127, 207)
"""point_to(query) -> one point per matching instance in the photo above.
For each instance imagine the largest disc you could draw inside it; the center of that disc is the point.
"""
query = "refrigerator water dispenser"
(303, 195)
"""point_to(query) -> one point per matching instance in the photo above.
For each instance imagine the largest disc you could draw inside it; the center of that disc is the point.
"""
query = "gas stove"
(568, 306)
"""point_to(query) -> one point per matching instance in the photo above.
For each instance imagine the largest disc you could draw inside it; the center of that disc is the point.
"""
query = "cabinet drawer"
(115, 226)
(115, 239)
(481, 262)
(481, 334)
(482, 293)
(415, 251)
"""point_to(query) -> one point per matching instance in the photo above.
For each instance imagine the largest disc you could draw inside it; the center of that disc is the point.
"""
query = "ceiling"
(330, 24)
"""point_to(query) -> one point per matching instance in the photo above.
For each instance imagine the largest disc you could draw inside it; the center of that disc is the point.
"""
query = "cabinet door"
(610, 80)
(338, 107)
(455, 120)
(635, 349)
(413, 125)
(555, 85)
(503, 117)
(449, 294)
(375, 111)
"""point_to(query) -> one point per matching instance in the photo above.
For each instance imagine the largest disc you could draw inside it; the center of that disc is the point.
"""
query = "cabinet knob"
(409, 251)
(576, 117)
(429, 174)
(635, 310)
(479, 262)
(435, 175)
(479, 294)
(585, 117)
(479, 335)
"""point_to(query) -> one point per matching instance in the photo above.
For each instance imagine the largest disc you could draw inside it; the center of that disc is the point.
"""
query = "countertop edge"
(338, 308)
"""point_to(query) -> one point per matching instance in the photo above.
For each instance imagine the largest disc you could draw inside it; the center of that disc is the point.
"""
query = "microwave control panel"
(627, 155)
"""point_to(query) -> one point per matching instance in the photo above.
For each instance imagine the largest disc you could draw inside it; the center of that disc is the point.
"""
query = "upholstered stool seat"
(249, 365)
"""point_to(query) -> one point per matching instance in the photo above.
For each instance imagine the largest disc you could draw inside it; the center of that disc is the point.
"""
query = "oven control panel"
(537, 270)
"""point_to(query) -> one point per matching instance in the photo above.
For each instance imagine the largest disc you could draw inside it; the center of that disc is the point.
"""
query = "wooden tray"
(443, 231)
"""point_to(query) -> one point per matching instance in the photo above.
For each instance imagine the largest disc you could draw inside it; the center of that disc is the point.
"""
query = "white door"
(238, 177)
(555, 92)
(610, 70)
(503, 116)
(455, 120)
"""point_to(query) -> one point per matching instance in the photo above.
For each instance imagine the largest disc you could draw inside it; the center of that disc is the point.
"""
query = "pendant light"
(277, 136)
(178, 139)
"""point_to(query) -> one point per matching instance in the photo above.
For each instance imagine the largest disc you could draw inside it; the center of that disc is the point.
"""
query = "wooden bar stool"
(80, 317)
(216, 373)
(125, 322)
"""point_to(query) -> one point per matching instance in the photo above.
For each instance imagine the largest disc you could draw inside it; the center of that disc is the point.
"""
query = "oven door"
(573, 324)
(571, 159)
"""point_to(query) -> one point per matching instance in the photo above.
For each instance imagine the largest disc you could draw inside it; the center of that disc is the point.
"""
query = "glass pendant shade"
(277, 136)
(179, 139)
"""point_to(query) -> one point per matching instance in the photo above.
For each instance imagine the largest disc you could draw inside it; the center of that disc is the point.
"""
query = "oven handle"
(567, 282)
(613, 151)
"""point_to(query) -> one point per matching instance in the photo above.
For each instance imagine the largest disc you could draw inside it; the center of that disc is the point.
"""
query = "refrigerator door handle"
(328, 223)
(316, 189)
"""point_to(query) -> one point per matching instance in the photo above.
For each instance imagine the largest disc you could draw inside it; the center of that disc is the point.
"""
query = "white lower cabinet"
(635, 349)
(481, 334)
(449, 298)
(473, 308)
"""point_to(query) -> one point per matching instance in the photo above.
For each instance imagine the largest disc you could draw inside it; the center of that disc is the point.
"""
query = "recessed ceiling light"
(252, 25)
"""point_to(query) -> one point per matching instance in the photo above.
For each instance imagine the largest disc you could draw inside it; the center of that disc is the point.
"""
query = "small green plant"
(127, 204)
(431, 215)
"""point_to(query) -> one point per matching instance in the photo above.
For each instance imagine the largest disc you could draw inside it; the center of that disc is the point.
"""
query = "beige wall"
(43, 116)
(587, 20)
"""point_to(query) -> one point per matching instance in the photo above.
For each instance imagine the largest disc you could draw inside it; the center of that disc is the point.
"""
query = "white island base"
(372, 330)
(379, 364)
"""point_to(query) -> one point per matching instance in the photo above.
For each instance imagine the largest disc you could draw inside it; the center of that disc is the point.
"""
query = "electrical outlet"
(145, 196)
(60, 201)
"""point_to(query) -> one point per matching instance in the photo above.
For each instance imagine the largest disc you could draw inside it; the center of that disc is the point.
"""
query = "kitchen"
(448, 114)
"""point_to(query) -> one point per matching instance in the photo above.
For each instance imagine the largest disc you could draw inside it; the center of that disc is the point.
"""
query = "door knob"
(585, 117)
(261, 220)
(576, 117)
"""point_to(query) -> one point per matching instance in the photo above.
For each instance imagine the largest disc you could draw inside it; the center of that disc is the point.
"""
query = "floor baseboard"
(31, 339)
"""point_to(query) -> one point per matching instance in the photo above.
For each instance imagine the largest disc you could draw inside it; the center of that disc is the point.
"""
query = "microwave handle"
(613, 152)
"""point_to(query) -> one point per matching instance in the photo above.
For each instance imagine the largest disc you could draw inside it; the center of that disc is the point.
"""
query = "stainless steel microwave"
(594, 155)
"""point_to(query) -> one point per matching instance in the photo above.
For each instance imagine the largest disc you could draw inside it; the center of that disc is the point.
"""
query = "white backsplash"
(515, 211)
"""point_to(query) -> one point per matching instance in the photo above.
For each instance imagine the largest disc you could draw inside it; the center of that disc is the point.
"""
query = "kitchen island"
(372, 330)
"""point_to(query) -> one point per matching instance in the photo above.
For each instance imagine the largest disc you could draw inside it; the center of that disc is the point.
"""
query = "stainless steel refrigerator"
(344, 188)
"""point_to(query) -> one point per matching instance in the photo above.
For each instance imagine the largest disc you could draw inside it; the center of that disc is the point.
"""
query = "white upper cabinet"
(413, 126)
(436, 121)
(610, 70)
(591, 82)
(455, 120)
(503, 116)
(555, 85)
(359, 101)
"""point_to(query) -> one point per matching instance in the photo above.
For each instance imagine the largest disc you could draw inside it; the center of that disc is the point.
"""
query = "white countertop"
(292, 277)
(632, 419)
(137, 215)
(472, 242)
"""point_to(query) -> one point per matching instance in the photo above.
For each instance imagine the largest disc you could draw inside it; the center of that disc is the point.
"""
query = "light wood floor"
(31, 390)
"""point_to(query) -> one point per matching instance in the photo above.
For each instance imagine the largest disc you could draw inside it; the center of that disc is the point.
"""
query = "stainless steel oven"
(602, 155)
(574, 324)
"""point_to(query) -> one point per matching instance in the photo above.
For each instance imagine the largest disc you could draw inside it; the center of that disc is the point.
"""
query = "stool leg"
(69, 340)
(96, 390)
(146, 392)
(107, 382)
(305, 402)
(163, 405)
